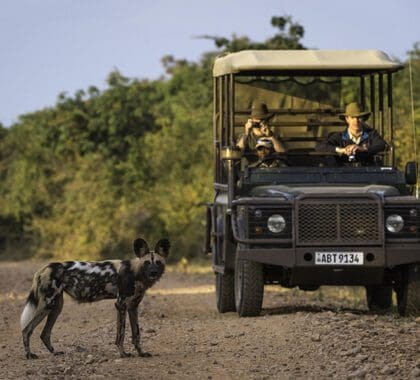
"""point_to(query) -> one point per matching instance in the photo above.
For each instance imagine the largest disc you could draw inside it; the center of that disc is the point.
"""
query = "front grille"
(341, 221)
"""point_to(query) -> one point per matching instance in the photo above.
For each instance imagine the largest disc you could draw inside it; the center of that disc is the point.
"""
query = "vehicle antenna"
(413, 120)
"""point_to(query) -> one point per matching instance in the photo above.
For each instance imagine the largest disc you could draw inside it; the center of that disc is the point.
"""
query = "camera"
(256, 124)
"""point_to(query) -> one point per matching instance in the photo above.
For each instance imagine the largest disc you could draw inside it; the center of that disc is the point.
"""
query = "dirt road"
(323, 334)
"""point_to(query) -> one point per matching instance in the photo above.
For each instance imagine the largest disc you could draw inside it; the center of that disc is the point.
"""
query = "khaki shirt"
(268, 164)
(251, 141)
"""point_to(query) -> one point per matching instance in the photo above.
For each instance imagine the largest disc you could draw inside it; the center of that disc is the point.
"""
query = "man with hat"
(357, 142)
(265, 150)
(257, 127)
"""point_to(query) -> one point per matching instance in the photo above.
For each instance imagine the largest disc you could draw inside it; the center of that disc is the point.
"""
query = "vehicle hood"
(293, 191)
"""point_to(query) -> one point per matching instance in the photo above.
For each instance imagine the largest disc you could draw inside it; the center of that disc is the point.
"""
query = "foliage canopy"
(83, 178)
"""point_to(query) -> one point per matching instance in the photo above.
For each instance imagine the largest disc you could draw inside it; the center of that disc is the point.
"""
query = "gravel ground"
(299, 335)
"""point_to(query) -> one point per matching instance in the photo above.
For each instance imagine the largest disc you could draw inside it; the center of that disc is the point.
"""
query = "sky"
(53, 46)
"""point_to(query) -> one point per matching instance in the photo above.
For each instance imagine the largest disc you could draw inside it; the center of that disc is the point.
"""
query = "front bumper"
(305, 272)
(391, 255)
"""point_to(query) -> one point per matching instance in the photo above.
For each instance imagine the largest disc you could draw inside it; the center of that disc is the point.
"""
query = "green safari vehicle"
(312, 221)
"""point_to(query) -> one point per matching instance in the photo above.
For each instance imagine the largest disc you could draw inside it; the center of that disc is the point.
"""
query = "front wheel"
(379, 298)
(225, 294)
(249, 287)
(408, 296)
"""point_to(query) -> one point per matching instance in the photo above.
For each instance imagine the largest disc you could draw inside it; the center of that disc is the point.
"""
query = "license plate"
(339, 258)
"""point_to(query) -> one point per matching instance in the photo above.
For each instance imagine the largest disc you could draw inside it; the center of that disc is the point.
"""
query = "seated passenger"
(257, 127)
(357, 142)
(265, 150)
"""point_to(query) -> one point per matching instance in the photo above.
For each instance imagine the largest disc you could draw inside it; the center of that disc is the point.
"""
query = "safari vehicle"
(312, 222)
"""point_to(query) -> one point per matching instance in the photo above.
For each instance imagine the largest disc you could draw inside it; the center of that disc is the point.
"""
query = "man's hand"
(265, 130)
(359, 148)
(248, 126)
(350, 149)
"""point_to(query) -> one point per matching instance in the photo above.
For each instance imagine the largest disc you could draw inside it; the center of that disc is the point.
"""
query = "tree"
(403, 124)
(83, 178)
(288, 36)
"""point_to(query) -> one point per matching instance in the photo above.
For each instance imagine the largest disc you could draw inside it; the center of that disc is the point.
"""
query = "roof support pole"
(216, 121)
(390, 117)
(225, 125)
(362, 93)
(381, 105)
(232, 109)
(372, 100)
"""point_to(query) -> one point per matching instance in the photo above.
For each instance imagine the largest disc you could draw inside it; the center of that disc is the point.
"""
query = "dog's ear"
(162, 247)
(141, 247)
(126, 280)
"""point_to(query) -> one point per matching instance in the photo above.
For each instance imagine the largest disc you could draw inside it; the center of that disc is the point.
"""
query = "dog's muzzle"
(153, 275)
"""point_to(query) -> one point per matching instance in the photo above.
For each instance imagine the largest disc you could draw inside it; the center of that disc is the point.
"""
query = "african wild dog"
(125, 280)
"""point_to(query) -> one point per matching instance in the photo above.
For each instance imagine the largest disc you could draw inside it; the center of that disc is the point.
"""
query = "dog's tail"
(31, 302)
(42, 281)
(29, 310)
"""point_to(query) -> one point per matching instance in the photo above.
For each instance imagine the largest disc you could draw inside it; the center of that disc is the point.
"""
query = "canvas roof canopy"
(305, 61)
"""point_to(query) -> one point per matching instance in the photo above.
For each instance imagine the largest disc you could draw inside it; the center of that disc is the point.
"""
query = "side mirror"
(231, 153)
(411, 173)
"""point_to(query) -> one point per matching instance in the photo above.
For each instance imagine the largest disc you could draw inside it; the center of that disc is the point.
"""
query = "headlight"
(394, 223)
(276, 223)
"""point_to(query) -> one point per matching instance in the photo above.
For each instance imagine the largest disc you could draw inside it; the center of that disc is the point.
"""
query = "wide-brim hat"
(260, 111)
(265, 143)
(354, 110)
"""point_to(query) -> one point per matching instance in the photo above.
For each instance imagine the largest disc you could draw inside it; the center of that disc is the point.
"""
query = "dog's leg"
(40, 314)
(135, 331)
(52, 317)
(121, 316)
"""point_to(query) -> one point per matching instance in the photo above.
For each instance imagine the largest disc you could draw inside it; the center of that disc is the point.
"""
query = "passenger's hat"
(260, 111)
(353, 110)
(267, 143)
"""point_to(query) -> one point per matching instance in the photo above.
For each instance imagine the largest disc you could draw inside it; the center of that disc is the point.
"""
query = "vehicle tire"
(225, 292)
(408, 296)
(379, 298)
(249, 288)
